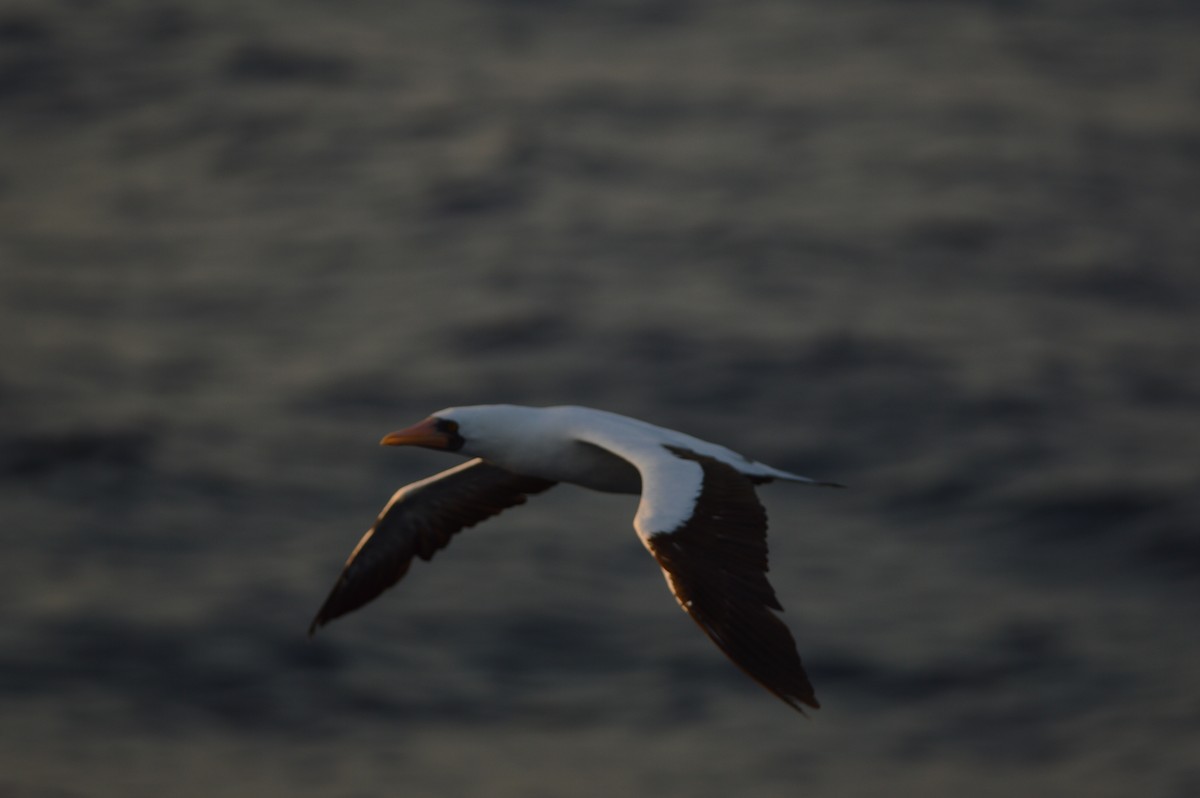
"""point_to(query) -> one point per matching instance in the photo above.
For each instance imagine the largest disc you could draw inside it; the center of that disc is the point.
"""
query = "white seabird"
(699, 516)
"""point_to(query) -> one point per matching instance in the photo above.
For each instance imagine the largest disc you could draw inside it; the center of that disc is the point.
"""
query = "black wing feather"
(716, 565)
(418, 521)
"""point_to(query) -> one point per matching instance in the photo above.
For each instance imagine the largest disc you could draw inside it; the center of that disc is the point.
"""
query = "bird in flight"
(698, 515)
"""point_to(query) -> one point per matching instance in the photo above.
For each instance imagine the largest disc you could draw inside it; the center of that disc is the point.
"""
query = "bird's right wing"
(419, 520)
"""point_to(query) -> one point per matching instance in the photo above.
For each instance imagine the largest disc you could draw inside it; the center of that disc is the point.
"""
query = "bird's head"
(475, 431)
(435, 432)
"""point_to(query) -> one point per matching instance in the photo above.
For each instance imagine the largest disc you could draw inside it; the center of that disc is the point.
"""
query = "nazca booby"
(699, 516)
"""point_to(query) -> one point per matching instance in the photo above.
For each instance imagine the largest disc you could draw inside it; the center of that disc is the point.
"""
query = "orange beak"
(424, 434)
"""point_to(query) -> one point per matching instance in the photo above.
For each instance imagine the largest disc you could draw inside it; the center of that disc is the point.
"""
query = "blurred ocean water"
(945, 253)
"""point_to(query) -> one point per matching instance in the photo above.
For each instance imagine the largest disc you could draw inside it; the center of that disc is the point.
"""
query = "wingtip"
(829, 484)
(799, 704)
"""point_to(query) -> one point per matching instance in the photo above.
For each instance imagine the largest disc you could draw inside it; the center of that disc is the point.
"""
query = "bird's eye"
(447, 426)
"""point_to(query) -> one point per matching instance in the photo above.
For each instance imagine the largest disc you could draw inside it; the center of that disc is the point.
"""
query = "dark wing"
(420, 519)
(716, 565)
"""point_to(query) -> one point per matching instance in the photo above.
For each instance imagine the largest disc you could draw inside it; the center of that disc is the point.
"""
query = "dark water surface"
(945, 253)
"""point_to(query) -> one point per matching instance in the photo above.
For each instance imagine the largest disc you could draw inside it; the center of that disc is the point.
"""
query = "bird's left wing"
(704, 525)
(419, 520)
